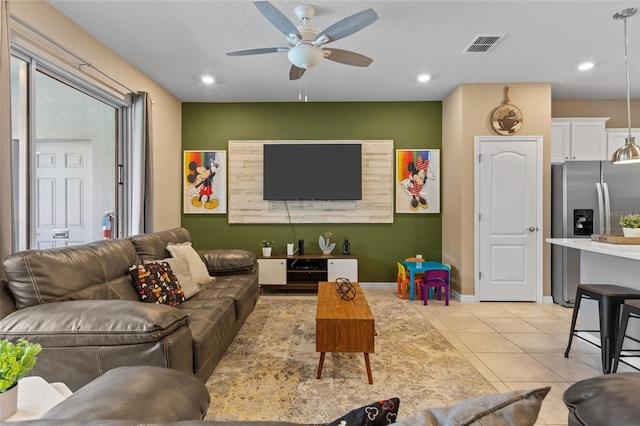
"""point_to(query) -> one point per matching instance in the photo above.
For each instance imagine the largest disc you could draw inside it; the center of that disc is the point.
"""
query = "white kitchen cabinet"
(272, 271)
(578, 139)
(616, 139)
(342, 268)
(560, 141)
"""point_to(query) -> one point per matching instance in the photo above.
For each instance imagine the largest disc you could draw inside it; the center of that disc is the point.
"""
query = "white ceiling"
(176, 42)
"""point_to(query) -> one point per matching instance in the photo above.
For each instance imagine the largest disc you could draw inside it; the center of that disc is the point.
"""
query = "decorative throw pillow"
(198, 269)
(156, 283)
(181, 270)
(379, 413)
(509, 408)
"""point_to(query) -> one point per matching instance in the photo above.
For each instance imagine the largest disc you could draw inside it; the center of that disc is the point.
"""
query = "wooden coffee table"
(344, 325)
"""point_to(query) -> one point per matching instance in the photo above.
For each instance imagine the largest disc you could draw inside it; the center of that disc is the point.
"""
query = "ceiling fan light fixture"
(305, 56)
(306, 42)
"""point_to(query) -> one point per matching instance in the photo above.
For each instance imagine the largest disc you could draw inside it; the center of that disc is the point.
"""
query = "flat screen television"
(319, 171)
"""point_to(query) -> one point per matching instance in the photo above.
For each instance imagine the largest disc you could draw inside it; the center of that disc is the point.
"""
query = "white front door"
(63, 193)
(508, 219)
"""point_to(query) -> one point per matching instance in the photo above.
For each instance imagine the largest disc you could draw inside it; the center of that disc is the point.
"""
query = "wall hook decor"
(507, 118)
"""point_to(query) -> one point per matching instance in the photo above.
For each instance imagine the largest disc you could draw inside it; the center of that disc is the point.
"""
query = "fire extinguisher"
(107, 224)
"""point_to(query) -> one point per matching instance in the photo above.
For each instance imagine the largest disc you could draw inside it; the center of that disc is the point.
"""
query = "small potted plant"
(267, 246)
(16, 361)
(630, 225)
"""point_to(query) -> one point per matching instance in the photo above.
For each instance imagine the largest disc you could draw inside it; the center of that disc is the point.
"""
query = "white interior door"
(63, 193)
(508, 219)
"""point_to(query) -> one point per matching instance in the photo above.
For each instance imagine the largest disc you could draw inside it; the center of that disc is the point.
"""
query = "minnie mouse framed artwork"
(417, 181)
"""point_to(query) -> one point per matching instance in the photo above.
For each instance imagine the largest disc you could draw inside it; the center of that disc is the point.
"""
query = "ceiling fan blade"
(258, 51)
(295, 73)
(347, 57)
(349, 25)
(277, 18)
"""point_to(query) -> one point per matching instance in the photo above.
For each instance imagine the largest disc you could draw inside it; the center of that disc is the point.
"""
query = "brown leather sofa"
(141, 395)
(80, 304)
(159, 396)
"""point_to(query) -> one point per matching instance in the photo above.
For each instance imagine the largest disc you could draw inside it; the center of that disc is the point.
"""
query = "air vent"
(483, 43)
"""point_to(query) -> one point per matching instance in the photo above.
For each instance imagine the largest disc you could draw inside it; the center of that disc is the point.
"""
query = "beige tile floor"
(518, 345)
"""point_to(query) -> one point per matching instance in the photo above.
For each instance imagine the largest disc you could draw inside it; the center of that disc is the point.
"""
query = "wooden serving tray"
(615, 239)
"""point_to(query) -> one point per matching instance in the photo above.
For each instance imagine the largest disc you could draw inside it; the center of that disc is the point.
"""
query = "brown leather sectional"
(80, 304)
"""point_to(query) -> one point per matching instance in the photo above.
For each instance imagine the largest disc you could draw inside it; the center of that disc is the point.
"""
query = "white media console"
(304, 272)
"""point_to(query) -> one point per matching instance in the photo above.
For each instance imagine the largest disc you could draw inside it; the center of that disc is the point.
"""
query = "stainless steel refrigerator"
(587, 197)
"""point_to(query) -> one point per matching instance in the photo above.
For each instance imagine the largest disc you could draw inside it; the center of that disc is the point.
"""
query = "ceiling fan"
(306, 43)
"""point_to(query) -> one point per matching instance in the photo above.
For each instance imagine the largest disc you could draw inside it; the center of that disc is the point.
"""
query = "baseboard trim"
(378, 285)
(470, 298)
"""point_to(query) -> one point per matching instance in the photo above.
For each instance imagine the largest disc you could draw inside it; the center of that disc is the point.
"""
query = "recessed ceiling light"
(585, 66)
(424, 77)
(207, 79)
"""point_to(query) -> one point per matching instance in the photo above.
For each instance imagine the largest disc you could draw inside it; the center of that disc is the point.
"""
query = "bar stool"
(630, 309)
(610, 298)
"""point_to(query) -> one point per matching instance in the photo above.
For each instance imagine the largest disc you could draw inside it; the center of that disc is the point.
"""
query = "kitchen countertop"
(619, 250)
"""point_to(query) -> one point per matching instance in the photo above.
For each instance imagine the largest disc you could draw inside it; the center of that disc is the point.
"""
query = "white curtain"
(141, 178)
(6, 205)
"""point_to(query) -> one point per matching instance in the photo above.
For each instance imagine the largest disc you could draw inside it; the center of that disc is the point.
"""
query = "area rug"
(269, 371)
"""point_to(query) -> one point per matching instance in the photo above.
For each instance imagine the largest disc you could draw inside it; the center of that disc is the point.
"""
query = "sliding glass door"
(65, 157)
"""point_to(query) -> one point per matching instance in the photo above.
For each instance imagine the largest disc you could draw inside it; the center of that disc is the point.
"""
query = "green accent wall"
(209, 126)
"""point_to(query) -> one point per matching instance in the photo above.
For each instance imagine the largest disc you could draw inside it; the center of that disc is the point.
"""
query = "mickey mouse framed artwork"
(417, 181)
(204, 182)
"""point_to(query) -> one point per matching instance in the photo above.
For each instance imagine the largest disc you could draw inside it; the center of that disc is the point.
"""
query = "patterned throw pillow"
(156, 283)
(181, 270)
(380, 413)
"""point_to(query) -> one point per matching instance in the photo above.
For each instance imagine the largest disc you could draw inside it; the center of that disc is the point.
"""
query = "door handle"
(601, 209)
(532, 229)
(60, 233)
(607, 208)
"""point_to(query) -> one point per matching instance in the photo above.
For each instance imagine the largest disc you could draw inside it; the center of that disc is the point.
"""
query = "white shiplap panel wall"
(246, 205)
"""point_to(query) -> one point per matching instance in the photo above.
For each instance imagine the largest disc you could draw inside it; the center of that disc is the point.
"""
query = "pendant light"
(630, 152)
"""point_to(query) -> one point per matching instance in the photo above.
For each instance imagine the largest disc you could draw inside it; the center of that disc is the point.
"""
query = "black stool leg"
(609, 317)
(576, 308)
(621, 334)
